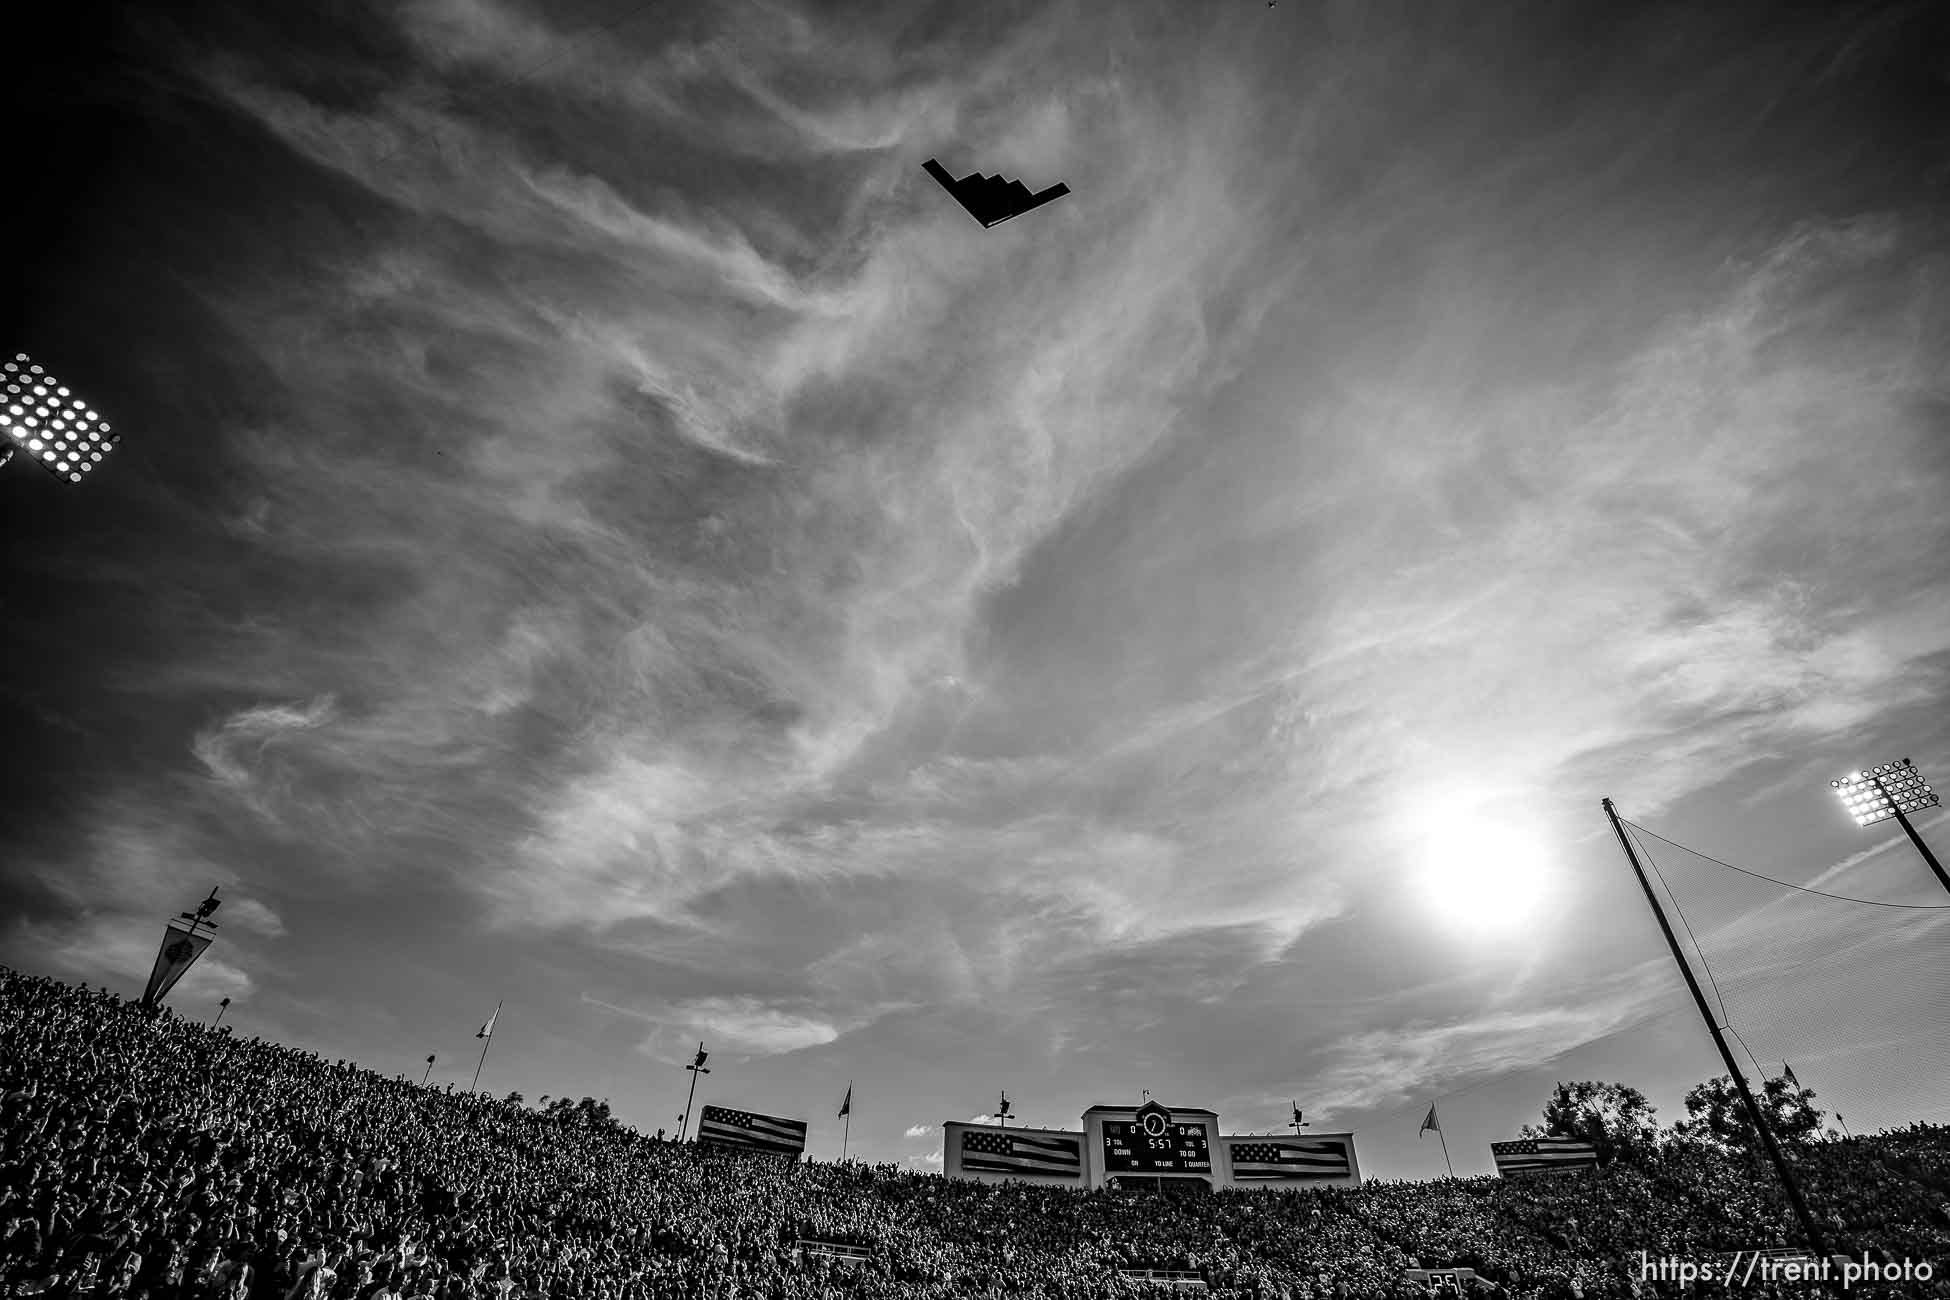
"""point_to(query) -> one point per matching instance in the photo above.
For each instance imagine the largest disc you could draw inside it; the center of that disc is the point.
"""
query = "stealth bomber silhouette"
(990, 199)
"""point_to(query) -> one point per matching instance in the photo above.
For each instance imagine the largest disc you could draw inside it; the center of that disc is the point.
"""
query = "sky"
(598, 530)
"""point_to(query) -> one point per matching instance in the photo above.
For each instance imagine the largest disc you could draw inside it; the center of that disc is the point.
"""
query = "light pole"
(1002, 1111)
(48, 424)
(1816, 1242)
(1891, 790)
(428, 1073)
(696, 1068)
(222, 1007)
(1299, 1123)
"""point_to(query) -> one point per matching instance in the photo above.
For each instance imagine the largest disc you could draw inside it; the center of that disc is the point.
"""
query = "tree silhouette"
(1614, 1117)
(1718, 1115)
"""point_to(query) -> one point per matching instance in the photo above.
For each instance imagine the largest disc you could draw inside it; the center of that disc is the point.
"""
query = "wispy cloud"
(749, 1024)
(1377, 1069)
(252, 915)
(633, 530)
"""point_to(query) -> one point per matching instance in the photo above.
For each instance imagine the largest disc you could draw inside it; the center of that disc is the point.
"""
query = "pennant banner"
(180, 948)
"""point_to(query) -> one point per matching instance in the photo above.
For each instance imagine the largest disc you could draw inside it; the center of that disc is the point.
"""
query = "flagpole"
(484, 1046)
(1434, 1121)
(846, 1133)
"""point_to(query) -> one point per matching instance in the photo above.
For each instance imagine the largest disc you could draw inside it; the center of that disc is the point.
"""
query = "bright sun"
(1484, 877)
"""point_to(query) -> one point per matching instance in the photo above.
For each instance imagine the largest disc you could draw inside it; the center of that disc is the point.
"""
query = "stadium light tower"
(46, 423)
(696, 1068)
(1891, 790)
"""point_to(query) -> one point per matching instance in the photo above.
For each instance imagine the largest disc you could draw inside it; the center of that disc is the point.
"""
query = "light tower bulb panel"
(1884, 790)
(42, 418)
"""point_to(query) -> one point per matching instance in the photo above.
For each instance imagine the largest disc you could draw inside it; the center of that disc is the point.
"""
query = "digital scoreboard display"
(1154, 1145)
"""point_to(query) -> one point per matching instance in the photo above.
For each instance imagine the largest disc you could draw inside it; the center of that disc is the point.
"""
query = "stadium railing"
(839, 1250)
(1188, 1279)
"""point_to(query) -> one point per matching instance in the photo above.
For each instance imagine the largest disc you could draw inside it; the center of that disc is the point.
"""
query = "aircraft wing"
(990, 199)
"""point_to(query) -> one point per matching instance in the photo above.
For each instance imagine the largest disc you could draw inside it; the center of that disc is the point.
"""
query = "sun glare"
(1485, 878)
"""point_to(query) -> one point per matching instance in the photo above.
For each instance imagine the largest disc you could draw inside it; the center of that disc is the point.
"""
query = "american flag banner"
(1535, 1155)
(1290, 1159)
(738, 1128)
(998, 1151)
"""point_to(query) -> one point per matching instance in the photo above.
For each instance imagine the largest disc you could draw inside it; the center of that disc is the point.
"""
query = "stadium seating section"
(144, 1156)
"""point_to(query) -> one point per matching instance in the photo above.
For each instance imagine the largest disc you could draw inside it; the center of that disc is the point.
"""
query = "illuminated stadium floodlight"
(49, 425)
(1884, 791)
(1891, 790)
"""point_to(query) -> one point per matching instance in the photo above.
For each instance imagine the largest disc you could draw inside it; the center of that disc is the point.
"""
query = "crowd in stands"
(145, 1157)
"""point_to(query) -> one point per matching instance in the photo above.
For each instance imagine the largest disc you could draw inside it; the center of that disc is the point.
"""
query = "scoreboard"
(1149, 1145)
(1155, 1145)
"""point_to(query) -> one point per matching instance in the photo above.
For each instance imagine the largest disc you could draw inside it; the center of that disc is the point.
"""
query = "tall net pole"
(1816, 1242)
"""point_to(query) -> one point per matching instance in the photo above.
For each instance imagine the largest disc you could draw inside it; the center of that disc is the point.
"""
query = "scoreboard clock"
(1154, 1143)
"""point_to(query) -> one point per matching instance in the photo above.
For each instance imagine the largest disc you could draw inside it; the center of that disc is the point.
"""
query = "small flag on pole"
(846, 1106)
(1430, 1122)
(487, 1030)
(1787, 1072)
